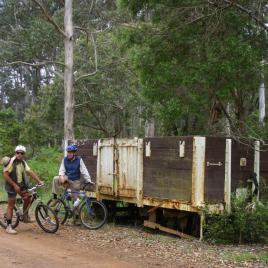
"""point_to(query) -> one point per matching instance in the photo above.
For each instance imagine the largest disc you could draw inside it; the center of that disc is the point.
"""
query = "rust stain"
(124, 180)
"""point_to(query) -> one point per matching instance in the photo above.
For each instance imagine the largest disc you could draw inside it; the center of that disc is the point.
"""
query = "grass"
(247, 257)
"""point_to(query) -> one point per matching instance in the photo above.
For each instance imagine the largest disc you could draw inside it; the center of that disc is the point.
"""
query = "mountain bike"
(44, 215)
(92, 213)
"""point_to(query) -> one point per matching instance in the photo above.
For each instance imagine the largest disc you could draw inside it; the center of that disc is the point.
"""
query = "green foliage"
(46, 164)
(247, 223)
(9, 131)
(183, 62)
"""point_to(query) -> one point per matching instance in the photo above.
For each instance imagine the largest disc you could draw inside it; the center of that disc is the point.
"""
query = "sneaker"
(27, 219)
(10, 230)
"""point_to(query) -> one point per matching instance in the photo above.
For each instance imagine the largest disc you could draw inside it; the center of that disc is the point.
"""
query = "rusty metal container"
(185, 173)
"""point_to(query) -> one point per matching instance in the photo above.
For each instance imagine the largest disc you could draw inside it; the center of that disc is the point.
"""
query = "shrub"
(247, 223)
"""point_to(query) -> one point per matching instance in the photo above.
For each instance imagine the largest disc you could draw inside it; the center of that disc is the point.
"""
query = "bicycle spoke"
(46, 218)
(93, 214)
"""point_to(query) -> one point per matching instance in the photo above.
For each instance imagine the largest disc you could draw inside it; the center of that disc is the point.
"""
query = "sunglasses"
(22, 153)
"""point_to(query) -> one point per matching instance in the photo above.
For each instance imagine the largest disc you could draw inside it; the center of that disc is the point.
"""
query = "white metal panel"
(105, 166)
(119, 169)
(128, 162)
(198, 171)
(257, 163)
(227, 182)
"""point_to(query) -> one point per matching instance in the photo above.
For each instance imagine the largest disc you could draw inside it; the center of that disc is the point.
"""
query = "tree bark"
(68, 73)
(262, 104)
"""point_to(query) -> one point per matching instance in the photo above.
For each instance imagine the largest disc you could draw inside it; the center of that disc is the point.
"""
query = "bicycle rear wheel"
(46, 218)
(93, 214)
(60, 209)
(3, 220)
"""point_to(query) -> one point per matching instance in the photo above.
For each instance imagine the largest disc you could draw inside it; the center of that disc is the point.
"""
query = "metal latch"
(95, 149)
(214, 164)
(148, 149)
(182, 149)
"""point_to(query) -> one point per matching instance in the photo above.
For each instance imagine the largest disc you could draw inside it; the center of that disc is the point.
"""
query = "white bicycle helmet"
(20, 148)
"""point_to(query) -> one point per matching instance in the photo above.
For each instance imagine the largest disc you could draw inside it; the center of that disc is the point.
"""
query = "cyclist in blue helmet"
(72, 172)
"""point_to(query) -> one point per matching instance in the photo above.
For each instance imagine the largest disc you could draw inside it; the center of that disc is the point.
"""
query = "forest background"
(141, 68)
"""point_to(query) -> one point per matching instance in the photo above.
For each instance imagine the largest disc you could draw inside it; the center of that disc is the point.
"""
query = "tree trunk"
(262, 104)
(149, 128)
(68, 73)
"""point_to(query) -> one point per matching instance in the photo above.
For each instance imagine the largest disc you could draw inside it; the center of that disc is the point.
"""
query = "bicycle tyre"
(93, 214)
(60, 209)
(48, 215)
(15, 218)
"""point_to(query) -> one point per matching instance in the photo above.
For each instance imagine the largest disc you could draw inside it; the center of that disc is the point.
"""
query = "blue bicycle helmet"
(71, 148)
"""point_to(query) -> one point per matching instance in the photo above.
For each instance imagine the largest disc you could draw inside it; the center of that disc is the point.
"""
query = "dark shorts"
(11, 193)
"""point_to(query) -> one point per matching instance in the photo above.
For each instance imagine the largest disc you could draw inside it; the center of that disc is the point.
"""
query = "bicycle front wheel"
(93, 214)
(3, 220)
(46, 218)
(60, 209)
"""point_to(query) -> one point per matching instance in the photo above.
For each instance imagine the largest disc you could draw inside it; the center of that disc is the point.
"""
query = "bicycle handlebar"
(87, 183)
(35, 187)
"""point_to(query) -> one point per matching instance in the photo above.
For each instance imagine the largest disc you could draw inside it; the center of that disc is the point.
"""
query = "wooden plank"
(165, 174)
(240, 174)
(85, 150)
(214, 174)
(157, 226)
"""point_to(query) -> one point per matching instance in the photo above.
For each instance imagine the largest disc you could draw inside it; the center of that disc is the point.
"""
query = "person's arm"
(34, 176)
(11, 182)
(84, 172)
(62, 170)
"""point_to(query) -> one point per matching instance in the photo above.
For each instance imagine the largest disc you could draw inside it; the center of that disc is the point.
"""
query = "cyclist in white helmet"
(17, 182)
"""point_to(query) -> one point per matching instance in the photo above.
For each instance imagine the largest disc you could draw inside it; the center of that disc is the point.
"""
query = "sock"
(8, 222)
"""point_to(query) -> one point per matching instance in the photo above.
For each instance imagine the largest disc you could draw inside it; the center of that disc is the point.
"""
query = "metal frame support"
(198, 169)
(228, 178)
(257, 164)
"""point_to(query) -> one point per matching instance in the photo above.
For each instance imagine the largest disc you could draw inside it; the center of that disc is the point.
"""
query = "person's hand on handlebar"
(41, 183)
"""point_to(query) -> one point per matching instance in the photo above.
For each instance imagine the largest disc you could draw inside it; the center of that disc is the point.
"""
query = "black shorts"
(11, 193)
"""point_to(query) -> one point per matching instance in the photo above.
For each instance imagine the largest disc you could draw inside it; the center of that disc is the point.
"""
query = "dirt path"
(31, 248)
(116, 247)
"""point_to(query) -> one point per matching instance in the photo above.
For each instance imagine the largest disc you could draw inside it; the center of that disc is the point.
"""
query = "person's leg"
(56, 184)
(10, 206)
(26, 204)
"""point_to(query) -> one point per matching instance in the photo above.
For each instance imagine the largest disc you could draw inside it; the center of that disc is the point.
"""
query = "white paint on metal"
(120, 169)
(198, 173)
(95, 149)
(257, 164)
(243, 162)
(148, 149)
(182, 149)
(105, 165)
(214, 164)
(228, 179)
(130, 163)
(139, 193)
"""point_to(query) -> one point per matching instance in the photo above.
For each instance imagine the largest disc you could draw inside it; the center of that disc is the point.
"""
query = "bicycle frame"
(34, 196)
(65, 198)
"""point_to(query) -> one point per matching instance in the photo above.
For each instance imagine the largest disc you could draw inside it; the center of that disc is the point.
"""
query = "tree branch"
(244, 10)
(96, 60)
(36, 64)
(50, 19)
